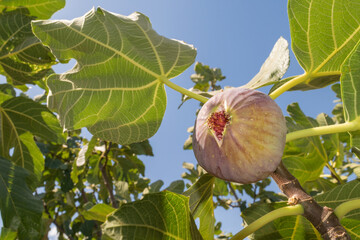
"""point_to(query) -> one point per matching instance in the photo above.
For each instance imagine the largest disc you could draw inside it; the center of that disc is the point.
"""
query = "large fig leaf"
(163, 215)
(323, 33)
(20, 119)
(350, 86)
(297, 227)
(201, 204)
(20, 209)
(116, 88)
(42, 9)
(23, 59)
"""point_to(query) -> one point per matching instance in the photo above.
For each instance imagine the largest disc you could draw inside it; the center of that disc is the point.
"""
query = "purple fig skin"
(252, 142)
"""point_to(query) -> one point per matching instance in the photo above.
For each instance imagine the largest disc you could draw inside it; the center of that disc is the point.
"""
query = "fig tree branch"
(322, 218)
(105, 177)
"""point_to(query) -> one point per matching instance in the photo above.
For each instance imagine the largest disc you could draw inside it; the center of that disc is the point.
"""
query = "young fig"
(240, 135)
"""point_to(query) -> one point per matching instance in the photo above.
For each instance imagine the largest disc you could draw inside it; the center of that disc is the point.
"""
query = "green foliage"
(23, 59)
(297, 227)
(162, 215)
(20, 210)
(129, 66)
(50, 175)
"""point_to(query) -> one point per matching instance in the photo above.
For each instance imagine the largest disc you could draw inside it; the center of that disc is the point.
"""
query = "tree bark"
(322, 218)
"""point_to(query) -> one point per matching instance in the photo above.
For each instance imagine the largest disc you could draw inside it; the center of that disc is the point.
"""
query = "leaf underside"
(115, 89)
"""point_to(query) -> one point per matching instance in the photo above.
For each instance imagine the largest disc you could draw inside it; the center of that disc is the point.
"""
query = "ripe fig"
(239, 135)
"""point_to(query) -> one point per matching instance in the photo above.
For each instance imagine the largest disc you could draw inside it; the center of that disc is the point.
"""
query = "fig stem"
(323, 130)
(267, 218)
(301, 78)
(286, 86)
(341, 210)
(182, 90)
(322, 218)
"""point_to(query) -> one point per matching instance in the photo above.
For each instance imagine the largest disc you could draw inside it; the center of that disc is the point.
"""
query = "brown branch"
(58, 227)
(235, 195)
(323, 218)
(105, 177)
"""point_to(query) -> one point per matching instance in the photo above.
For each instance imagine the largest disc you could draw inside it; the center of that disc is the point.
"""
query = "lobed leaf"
(323, 33)
(163, 215)
(116, 88)
(42, 9)
(23, 59)
(20, 119)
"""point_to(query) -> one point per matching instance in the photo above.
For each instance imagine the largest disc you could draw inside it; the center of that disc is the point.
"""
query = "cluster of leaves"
(53, 177)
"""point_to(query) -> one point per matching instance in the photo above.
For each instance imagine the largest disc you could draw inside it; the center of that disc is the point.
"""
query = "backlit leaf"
(323, 33)
(23, 59)
(42, 9)
(274, 67)
(163, 215)
(98, 212)
(116, 88)
(20, 119)
(350, 86)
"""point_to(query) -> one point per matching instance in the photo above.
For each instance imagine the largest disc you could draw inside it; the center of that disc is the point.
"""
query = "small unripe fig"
(239, 135)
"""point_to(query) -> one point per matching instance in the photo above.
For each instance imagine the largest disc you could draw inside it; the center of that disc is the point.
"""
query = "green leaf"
(155, 186)
(20, 209)
(39, 8)
(274, 67)
(297, 227)
(305, 158)
(201, 204)
(141, 148)
(23, 59)
(163, 215)
(206, 77)
(7, 234)
(323, 33)
(350, 85)
(98, 212)
(21, 118)
(120, 65)
(176, 187)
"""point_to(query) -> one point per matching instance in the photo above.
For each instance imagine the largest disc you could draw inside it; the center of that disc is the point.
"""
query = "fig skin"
(253, 139)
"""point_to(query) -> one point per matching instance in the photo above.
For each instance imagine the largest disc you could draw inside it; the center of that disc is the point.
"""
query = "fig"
(240, 135)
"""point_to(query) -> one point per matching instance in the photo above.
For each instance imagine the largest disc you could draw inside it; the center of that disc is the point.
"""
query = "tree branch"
(323, 218)
(105, 177)
(58, 227)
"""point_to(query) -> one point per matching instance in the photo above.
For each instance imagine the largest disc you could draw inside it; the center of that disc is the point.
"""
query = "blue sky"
(236, 36)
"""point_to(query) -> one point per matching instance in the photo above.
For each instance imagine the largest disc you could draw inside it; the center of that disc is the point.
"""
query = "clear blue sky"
(236, 36)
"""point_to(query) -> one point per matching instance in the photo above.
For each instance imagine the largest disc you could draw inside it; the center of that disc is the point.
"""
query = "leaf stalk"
(323, 130)
(267, 218)
(182, 90)
(292, 83)
(346, 207)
